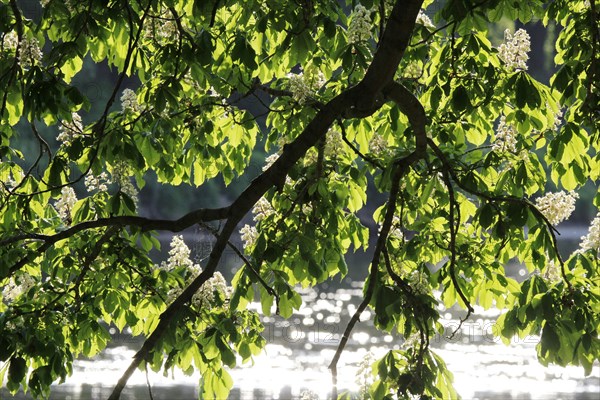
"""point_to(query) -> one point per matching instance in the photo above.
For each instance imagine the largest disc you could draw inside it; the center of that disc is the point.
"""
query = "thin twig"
(248, 264)
(89, 259)
(454, 225)
(401, 283)
(494, 198)
(368, 159)
(148, 382)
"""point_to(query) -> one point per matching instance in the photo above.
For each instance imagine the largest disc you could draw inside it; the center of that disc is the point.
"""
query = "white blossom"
(413, 70)
(396, 230)
(300, 91)
(195, 87)
(129, 101)
(379, 146)
(505, 137)
(334, 146)
(173, 294)
(65, 204)
(412, 342)
(307, 208)
(128, 188)
(359, 29)
(364, 378)
(30, 53)
(262, 209)
(334, 143)
(179, 255)
(524, 155)
(557, 207)
(205, 296)
(592, 240)
(8, 180)
(99, 183)
(15, 324)
(270, 160)
(309, 395)
(305, 84)
(424, 20)
(513, 52)
(552, 272)
(10, 41)
(166, 30)
(18, 286)
(163, 29)
(68, 131)
(212, 92)
(122, 176)
(418, 282)
(557, 119)
(311, 157)
(249, 234)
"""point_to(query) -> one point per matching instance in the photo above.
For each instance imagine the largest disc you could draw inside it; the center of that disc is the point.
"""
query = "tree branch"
(400, 171)
(494, 198)
(248, 264)
(395, 40)
(454, 223)
(410, 106)
(145, 224)
(274, 176)
(368, 159)
(381, 73)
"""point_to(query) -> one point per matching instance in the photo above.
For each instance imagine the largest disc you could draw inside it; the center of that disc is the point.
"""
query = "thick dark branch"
(144, 224)
(274, 176)
(410, 106)
(384, 65)
(394, 42)
(169, 314)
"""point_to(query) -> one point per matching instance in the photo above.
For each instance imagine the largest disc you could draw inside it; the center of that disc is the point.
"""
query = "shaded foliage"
(454, 133)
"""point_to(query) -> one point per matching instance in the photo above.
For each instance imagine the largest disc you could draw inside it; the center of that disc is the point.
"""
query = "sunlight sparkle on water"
(300, 349)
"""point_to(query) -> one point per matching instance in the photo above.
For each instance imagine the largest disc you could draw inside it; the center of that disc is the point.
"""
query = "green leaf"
(111, 301)
(17, 369)
(460, 99)
(550, 341)
(486, 216)
(243, 51)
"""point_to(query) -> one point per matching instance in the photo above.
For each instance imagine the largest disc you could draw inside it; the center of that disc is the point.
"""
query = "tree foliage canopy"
(476, 160)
